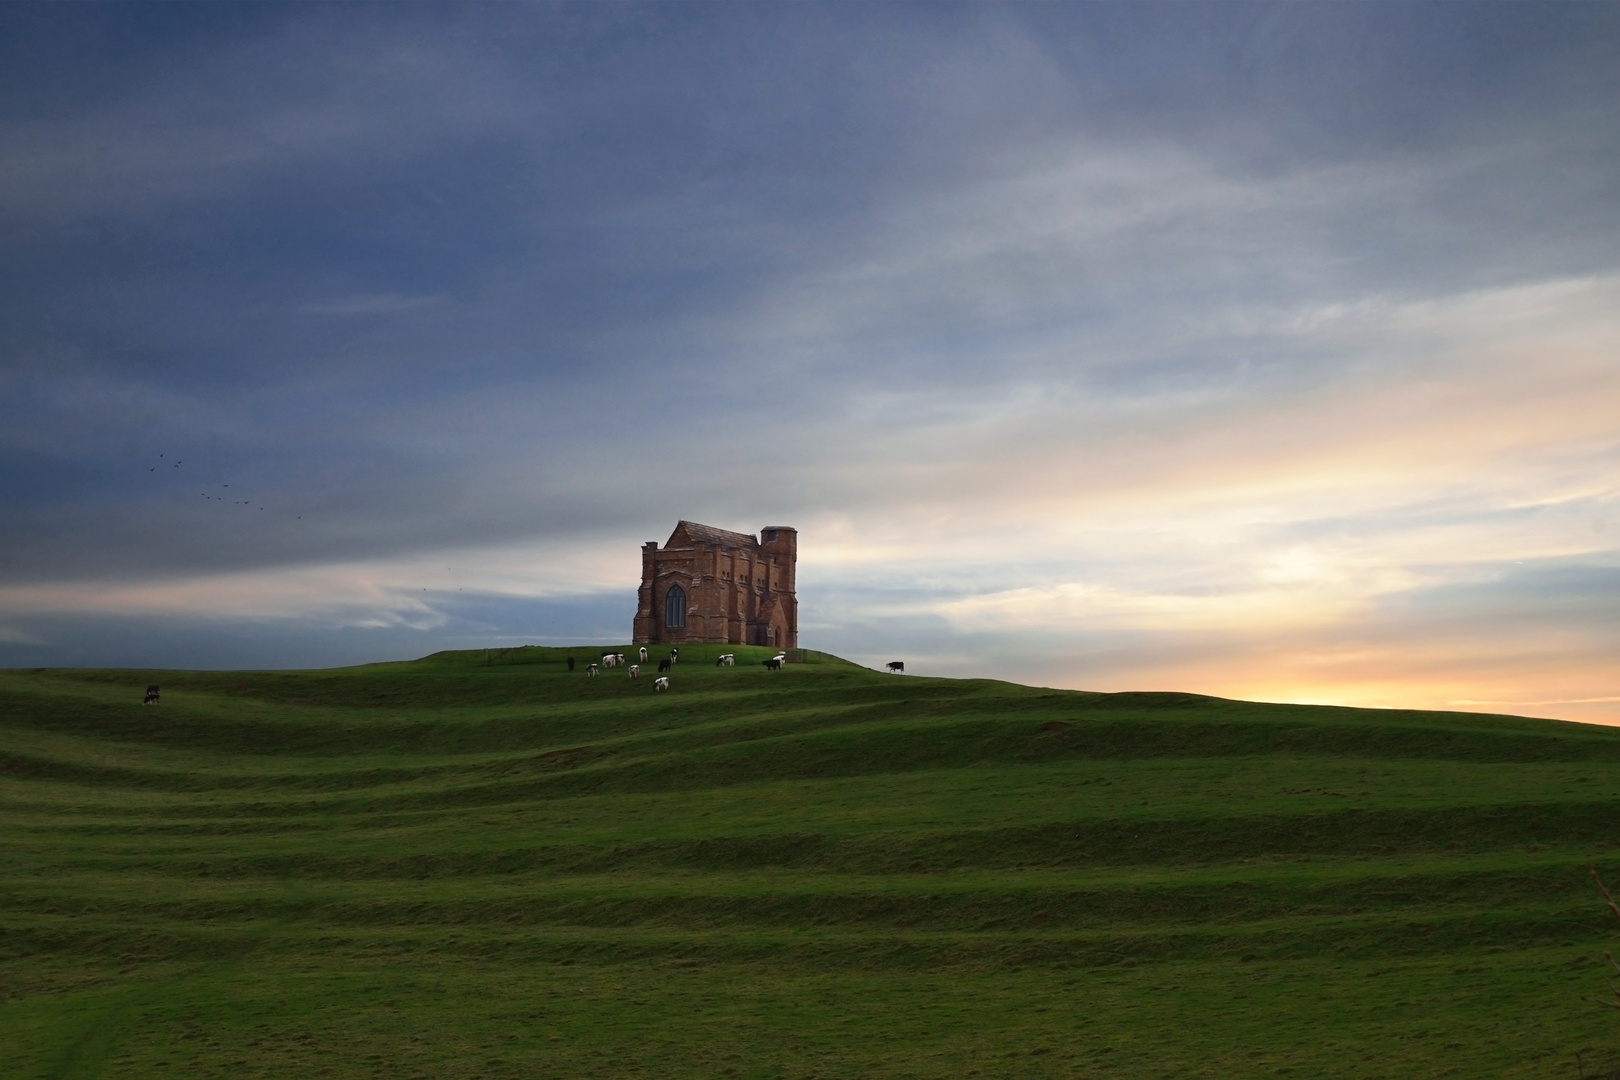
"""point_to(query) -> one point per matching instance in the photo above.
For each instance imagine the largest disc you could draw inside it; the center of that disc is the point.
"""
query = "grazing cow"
(151, 695)
(590, 669)
(570, 663)
(660, 684)
(664, 664)
(644, 654)
(618, 658)
(635, 670)
(610, 659)
(773, 664)
(726, 660)
(782, 656)
(897, 667)
(674, 655)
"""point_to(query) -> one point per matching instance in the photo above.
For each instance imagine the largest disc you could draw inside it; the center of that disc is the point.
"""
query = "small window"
(675, 607)
(770, 535)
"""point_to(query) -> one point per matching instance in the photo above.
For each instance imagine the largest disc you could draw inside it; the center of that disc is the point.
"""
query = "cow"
(151, 695)
(635, 670)
(610, 659)
(618, 658)
(664, 664)
(570, 663)
(726, 660)
(773, 664)
(674, 655)
(590, 669)
(897, 667)
(644, 654)
(660, 684)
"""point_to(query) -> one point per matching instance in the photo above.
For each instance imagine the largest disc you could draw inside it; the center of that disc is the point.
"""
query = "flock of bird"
(221, 499)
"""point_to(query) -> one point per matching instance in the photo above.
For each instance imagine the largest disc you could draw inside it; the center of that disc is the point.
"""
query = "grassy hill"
(481, 865)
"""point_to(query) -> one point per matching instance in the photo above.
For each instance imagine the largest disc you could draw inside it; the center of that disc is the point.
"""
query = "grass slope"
(480, 865)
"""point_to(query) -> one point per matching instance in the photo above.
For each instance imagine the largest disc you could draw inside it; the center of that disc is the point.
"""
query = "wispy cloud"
(1080, 348)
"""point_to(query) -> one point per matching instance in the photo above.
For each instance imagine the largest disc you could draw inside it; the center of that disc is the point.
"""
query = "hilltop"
(480, 864)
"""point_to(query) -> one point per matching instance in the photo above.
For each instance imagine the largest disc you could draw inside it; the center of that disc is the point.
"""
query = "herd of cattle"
(617, 659)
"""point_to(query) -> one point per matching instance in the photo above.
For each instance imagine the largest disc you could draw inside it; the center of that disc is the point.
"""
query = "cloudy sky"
(1263, 351)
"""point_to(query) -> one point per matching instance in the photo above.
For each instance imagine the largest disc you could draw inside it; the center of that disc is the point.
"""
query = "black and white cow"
(660, 684)
(644, 654)
(151, 695)
(590, 669)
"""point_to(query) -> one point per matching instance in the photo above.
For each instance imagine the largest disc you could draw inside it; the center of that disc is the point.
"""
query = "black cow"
(665, 663)
(570, 663)
(897, 667)
(151, 695)
(773, 664)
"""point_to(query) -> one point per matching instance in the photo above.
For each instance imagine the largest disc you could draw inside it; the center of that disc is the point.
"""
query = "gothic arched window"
(675, 607)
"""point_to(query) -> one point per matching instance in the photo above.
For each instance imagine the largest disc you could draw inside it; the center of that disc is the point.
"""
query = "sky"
(1265, 351)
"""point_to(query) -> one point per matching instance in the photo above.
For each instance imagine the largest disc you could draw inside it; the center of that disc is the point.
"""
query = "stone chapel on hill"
(713, 586)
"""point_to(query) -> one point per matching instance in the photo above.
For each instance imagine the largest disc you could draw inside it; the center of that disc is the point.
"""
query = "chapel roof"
(708, 534)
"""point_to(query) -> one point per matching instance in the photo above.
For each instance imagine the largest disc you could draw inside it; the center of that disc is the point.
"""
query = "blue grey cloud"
(290, 289)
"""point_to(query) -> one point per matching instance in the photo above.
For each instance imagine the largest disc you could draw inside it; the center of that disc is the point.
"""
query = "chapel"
(714, 586)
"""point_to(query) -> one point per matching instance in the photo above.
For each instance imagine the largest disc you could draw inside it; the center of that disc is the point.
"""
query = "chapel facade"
(714, 586)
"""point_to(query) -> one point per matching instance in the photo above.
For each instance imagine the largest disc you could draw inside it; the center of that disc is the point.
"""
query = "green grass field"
(461, 868)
